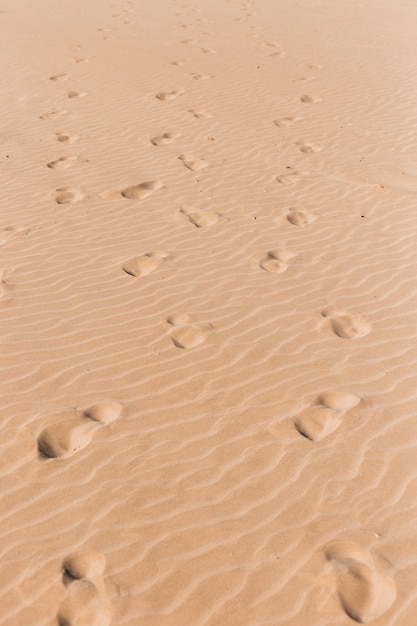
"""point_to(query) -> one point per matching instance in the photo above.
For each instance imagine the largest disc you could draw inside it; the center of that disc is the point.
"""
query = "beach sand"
(208, 313)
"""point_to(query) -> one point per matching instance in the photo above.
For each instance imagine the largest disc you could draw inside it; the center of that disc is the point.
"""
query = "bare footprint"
(198, 217)
(366, 590)
(67, 195)
(141, 191)
(193, 164)
(208, 50)
(64, 163)
(346, 325)
(76, 94)
(308, 147)
(200, 114)
(167, 96)
(311, 98)
(179, 62)
(286, 121)
(291, 177)
(276, 261)
(80, 60)
(201, 76)
(281, 53)
(85, 602)
(186, 335)
(300, 217)
(66, 138)
(314, 66)
(302, 80)
(325, 416)
(145, 264)
(162, 140)
(9, 231)
(52, 115)
(63, 439)
(59, 77)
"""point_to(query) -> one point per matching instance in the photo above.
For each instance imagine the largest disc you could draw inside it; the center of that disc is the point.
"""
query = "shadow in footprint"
(85, 601)
(276, 261)
(63, 439)
(145, 264)
(366, 590)
(346, 325)
(199, 218)
(325, 416)
(162, 140)
(300, 217)
(142, 190)
(186, 334)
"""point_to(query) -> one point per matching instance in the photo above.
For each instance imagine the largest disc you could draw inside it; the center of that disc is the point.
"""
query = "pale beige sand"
(208, 313)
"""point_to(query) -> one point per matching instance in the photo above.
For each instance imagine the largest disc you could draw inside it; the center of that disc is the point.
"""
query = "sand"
(208, 313)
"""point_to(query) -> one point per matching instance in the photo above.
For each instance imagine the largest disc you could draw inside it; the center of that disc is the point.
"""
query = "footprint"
(346, 325)
(302, 80)
(195, 165)
(314, 66)
(166, 96)
(80, 60)
(199, 218)
(66, 138)
(365, 590)
(59, 77)
(52, 115)
(63, 439)
(208, 50)
(85, 602)
(76, 94)
(291, 177)
(200, 114)
(275, 261)
(66, 195)
(309, 147)
(311, 98)
(325, 416)
(64, 163)
(162, 140)
(188, 41)
(177, 62)
(9, 231)
(141, 191)
(300, 217)
(281, 53)
(286, 121)
(201, 76)
(186, 335)
(145, 264)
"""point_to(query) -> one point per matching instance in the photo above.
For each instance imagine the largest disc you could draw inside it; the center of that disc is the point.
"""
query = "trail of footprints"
(365, 591)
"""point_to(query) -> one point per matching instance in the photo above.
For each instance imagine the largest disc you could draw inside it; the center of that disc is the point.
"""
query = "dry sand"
(208, 313)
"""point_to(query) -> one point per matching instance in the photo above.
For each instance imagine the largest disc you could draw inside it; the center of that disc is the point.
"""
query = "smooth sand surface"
(208, 312)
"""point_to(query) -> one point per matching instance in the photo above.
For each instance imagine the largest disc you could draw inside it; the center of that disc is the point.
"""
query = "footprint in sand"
(308, 147)
(208, 50)
(282, 122)
(66, 137)
(59, 77)
(85, 601)
(52, 115)
(200, 114)
(314, 66)
(64, 163)
(325, 415)
(80, 60)
(167, 96)
(76, 94)
(186, 334)
(63, 439)
(201, 76)
(346, 325)
(281, 53)
(300, 217)
(311, 98)
(193, 164)
(198, 217)
(291, 177)
(302, 80)
(276, 261)
(188, 41)
(366, 589)
(177, 62)
(142, 190)
(9, 231)
(162, 140)
(145, 264)
(67, 195)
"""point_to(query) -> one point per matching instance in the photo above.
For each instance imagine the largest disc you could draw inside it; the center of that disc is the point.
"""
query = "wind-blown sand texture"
(208, 313)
